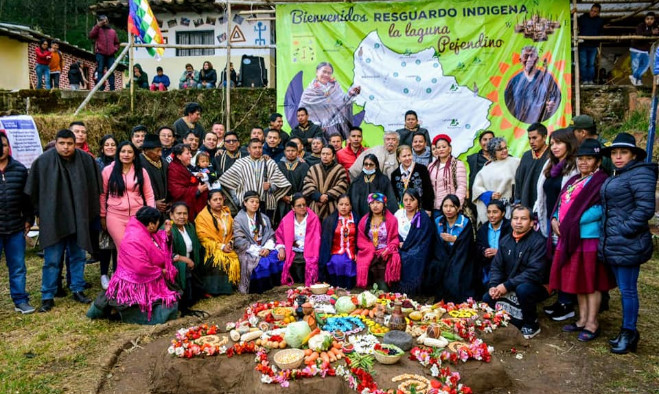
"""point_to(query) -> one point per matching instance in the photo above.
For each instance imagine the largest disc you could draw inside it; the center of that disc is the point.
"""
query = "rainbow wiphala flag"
(144, 25)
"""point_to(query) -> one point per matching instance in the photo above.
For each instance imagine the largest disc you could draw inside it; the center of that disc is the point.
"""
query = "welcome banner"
(463, 66)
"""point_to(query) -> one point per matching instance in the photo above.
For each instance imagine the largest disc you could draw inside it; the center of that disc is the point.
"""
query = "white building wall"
(249, 33)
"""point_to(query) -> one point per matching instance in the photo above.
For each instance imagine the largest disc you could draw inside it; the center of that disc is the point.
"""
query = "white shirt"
(404, 224)
(300, 231)
(187, 240)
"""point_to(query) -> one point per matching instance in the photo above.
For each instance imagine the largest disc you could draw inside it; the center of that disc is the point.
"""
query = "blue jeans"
(14, 247)
(528, 296)
(640, 63)
(627, 278)
(205, 85)
(51, 271)
(103, 62)
(43, 71)
(587, 56)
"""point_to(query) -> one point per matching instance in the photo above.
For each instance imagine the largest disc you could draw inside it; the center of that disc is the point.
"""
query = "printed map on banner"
(388, 78)
(462, 66)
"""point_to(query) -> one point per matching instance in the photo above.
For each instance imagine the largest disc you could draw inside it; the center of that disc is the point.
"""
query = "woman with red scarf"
(576, 221)
(378, 260)
(182, 185)
(448, 175)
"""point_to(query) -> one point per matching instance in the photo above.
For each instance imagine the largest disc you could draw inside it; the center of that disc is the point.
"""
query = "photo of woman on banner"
(532, 95)
(328, 105)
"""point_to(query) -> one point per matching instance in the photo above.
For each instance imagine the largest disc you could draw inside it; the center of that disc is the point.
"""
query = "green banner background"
(477, 44)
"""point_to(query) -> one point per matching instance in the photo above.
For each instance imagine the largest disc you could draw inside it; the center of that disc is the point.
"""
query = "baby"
(204, 171)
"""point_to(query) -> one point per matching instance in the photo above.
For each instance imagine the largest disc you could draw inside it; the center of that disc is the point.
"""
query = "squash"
(440, 342)
(250, 336)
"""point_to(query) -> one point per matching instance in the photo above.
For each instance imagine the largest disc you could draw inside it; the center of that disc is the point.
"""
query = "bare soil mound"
(552, 362)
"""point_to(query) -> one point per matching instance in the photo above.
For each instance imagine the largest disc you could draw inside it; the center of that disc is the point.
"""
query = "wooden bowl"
(289, 358)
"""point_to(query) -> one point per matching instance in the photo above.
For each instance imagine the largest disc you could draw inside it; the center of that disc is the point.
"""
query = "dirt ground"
(553, 362)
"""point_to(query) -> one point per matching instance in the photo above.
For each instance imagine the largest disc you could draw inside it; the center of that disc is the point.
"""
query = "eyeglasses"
(502, 149)
(369, 164)
(230, 141)
(300, 205)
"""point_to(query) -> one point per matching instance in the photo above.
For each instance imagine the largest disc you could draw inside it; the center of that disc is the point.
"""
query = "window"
(195, 38)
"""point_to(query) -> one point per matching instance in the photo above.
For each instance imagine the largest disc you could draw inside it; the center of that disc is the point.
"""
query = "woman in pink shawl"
(327, 104)
(378, 260)
(299, 232)
(143, 270)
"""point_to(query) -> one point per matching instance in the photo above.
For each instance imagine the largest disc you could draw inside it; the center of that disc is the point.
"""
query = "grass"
(637, 121)
(63, 351)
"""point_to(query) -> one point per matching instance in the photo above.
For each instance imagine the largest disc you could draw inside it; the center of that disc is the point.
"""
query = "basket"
(320, 288)
(289, 358)
(387, 359)
(281, 309)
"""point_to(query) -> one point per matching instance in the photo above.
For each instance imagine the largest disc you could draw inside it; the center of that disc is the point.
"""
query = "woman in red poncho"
(378, 260)
(182, 185)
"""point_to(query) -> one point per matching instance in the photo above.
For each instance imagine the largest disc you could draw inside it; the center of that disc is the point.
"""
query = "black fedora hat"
(627, 141)
(590, 147)
(151, 141)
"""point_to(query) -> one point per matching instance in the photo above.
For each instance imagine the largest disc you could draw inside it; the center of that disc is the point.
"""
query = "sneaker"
(24, 308)
(549, 309)
(105, 282)
(632, 79)
(638, 83)
(530, 331)
(562, 312)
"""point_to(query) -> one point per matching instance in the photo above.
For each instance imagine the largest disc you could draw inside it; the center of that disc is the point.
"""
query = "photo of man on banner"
(532, 95)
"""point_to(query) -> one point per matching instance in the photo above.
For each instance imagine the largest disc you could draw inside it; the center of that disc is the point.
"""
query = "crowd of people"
(184, 213)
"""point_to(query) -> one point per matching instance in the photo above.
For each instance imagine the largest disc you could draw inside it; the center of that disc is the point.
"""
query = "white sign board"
(23, 138)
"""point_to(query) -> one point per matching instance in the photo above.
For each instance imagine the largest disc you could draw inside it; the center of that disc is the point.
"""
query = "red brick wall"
(90, 67)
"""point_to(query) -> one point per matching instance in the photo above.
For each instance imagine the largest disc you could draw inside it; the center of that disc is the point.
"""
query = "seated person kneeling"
(520, 266)
(138, 291)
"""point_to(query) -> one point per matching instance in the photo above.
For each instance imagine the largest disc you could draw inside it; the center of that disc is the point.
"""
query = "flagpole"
(227, 70)
(131, 40)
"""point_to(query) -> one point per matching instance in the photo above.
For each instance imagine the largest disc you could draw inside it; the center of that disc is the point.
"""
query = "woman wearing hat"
(628, 203)
(495, 181)
(378, 260)
(448, 175)
(254, 241)
(576, 222)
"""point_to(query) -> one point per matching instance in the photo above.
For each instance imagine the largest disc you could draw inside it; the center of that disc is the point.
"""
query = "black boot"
(627, 343)
(614, 341)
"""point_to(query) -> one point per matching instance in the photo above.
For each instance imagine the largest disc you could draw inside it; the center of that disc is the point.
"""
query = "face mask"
(369, 172)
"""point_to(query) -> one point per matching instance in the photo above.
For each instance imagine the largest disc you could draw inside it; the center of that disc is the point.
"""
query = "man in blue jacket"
(520, 266)
(15, 220)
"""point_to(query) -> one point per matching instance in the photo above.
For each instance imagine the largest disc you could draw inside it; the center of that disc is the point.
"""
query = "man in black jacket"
(306, 130)
(64, 185)
(15, 220)
(156, 167)
(532, 163)
(520, 266)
